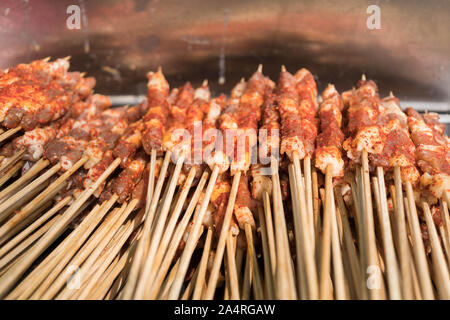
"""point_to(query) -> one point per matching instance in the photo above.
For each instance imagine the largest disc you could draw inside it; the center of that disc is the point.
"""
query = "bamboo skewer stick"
(439, 263)
(104, 279)
(419, 250)
(104, 242)
(316, 209)
(445, 229)
(268, 273)
(349, 245)
(257, 284)
(239, 259)
(338, 268)
(447, 198)
(174, 243)
(416, 293)
(212, 283)
(22, 246)
(34, 170)
(402, 238)
(94, 241)
(310, 262)
(12, 160)
(166, 203)
(105, 282)
(301, 274)
(5, 135)
(190, 287)
(9, 213)
(270, 235)
(74, 243)
(309, 197)
(326, 239)
(284, 289)
(393, 275)
(192, 239)
(39, 274)
(116, 287)
(112, 281)
(109, 254)
(164, 294)
(22, 286)
(33, 185)
(9, 278)
(369, 227)
(29, 207)
(232, 268)
(177, 234)
(151, 181)
(159, 225)
(36, 224)
(31, 218)
(130, 286)
(11, 172)
(201, 274)
(445, 243)
(248, 278)
(112, 252)
(226, 287)
(357, 194)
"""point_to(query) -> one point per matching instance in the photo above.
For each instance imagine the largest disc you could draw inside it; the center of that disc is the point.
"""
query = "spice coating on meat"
(40, 92)
(329, 141)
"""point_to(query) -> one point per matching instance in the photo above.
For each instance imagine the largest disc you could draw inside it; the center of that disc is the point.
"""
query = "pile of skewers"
(271, 192)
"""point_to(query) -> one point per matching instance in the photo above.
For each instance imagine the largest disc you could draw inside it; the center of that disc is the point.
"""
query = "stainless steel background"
(193, 40)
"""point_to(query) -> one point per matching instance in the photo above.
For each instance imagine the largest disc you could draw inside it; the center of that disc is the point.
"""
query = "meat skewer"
(109, 129)
(38, 93)
(186, 147)
(155, 120)
(261, 185)
(428, 192)
(171, 138)
(64, 138)
(246, 118)
(376, 128)
(168, 139)
(308, 107)
(398, 152)
(218, 162)
(295, 147)
(120, 188)
(112, 128)
(90, 190)
(329, 161)
(365, 123)
(432, 150)
(69, 147)
(154, 126)
(211, 112)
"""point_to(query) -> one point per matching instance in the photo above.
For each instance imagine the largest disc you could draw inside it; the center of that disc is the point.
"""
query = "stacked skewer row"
(188, 196)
